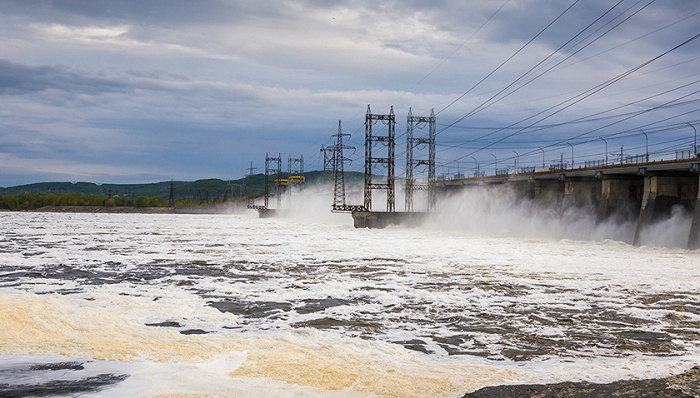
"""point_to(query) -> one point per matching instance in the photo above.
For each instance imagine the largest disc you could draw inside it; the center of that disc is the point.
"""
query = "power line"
(486, 104)
(578, 98)
(508, 59)
(489, 101)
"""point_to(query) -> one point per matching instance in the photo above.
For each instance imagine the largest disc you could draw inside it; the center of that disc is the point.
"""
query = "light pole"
(476, 162)
(695, 140)
(606, 149)
(572, 154)
(542, 156)
(647, 144)
(495, 167)
(517, 160)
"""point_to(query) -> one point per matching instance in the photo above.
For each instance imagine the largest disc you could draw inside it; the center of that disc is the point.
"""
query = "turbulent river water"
(131, 305)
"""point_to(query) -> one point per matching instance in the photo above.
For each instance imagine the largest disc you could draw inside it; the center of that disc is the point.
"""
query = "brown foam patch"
(63, 325)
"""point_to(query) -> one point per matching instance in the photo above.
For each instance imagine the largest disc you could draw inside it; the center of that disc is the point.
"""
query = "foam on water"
(233, 305)
(160, 360)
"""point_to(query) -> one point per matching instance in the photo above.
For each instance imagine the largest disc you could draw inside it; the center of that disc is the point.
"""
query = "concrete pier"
(620, 196)
(581, 192)
(549, 193)
(267, 213)
(694, 238)
(662, 191)
(382, 219)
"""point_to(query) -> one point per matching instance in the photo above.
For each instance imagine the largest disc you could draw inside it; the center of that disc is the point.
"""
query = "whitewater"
(134, 305)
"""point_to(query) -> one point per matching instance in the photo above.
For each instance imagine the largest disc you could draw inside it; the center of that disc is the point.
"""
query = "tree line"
(32, 201)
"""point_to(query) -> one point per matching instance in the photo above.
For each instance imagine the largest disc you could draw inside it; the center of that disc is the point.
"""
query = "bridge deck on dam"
(679, 166)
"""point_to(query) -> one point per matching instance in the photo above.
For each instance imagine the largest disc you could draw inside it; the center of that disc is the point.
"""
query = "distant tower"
(249, 179)
(295, 177)
(339, 171)
(328, 161)
(171, 199)
(273, 167)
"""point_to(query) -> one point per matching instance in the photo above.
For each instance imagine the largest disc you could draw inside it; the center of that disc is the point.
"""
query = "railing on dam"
(590, 166)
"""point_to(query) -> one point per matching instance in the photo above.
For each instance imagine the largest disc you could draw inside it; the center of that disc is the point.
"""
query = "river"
(131, 305)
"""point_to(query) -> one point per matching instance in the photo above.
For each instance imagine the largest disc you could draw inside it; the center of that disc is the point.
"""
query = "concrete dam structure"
(641, 192)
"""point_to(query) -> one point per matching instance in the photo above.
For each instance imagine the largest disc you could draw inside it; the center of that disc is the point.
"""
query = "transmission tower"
(328, 161)
(250, 177)
(171, 198)
(339, 204)
(388, 140)
(412, 143)
(273, 167)
(328, 158)
(295, 176)
(251, 200)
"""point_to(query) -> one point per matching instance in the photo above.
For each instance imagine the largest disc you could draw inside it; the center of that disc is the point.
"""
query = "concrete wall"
(581, 192)
(620, 197)
(694, 238)
(549, 193)
(662, 191)
(625, 197)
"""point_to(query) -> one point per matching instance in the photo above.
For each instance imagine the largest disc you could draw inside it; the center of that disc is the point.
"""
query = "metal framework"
(328, 158)
(389, 141)
(296, 169)
(295, 177)
(273, 166)
(413, 143)
(339, 204)
(249, 178)
(251, 200)
(328, 162)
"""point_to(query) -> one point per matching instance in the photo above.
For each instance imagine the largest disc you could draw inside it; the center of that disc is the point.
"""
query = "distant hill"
(193, 190)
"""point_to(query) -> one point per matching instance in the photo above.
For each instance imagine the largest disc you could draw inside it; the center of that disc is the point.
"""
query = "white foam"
(295, 260)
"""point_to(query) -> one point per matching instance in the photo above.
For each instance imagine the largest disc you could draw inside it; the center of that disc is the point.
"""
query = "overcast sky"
(114, 91)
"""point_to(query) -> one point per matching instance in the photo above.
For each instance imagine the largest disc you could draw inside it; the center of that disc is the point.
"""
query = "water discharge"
(232, 305)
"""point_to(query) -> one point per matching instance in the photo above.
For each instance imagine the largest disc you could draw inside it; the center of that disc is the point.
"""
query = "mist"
(498, 211)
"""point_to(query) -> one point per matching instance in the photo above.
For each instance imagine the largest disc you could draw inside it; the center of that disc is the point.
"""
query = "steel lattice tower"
(296, 169)
(328, 162)
(273, 166)
(328, 158)
(411, 163)
(389, 141)
(339, 203)
(296, 166)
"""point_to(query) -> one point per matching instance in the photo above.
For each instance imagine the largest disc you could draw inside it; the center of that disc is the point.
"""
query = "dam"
(640, 192)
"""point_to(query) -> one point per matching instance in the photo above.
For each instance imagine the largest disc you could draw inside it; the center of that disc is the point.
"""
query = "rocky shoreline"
(686, 385)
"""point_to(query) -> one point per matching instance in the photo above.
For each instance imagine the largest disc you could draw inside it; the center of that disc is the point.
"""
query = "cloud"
(191, 88)
(16, 79)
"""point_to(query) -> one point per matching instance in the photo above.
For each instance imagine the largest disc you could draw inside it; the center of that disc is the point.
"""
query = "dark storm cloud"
(16, 79)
